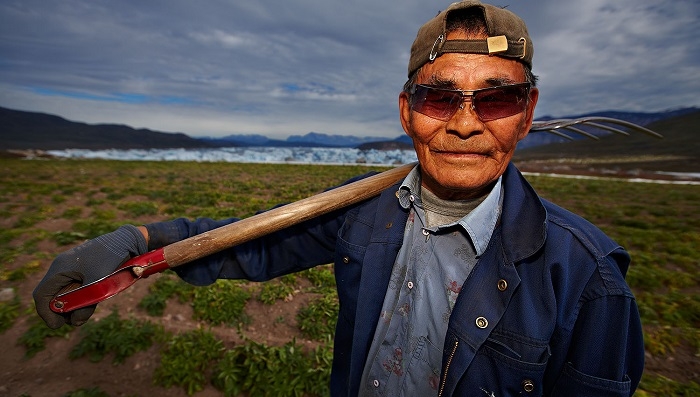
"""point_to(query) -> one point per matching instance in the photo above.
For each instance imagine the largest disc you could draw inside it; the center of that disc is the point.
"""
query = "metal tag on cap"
(497, 44)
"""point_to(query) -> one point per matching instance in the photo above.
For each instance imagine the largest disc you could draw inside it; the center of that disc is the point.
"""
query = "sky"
(289, 67)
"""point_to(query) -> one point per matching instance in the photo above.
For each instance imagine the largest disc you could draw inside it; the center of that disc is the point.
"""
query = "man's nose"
(465, 121)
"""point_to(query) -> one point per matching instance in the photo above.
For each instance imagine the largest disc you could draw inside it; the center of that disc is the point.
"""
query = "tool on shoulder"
(213, 241)
(199, 246)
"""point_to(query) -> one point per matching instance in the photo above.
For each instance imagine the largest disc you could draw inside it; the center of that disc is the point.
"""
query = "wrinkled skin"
(463, 157)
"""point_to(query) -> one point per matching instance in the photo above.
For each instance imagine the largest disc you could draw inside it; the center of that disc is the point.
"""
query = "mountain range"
(21, 130)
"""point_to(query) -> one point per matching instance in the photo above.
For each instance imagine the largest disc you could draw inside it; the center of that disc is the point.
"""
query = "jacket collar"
(524, 218)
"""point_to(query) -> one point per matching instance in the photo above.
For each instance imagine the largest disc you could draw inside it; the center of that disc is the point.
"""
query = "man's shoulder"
(592, 237)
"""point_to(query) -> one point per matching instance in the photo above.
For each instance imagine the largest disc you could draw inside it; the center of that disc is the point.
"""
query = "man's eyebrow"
(441, 82)
(496, 81)
(451, 84)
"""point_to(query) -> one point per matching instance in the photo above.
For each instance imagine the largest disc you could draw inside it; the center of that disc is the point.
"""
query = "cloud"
(279, 67)
(627, 55)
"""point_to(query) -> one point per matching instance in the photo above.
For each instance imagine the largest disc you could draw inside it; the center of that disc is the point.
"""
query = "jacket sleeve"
(299, 247)
(606, 356)
(296, 248)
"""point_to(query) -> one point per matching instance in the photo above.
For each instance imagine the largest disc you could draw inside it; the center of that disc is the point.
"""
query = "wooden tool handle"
(259, 225)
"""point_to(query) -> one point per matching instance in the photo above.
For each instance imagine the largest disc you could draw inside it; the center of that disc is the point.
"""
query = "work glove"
(84, 264)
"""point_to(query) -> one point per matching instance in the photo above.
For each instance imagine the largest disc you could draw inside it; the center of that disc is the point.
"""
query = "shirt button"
(375, 383)
(528, 386)
(412, 198)
(410, 285)
(502, 285)
(482, 322)
(346, 259)
(426, 232)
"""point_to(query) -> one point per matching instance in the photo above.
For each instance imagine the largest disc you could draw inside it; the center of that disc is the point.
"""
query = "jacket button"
(346, 259)
(528, 386)
(482, 322)
(502, 285)
(389, 225)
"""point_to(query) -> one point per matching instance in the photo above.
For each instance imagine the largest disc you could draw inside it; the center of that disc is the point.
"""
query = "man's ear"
(529, 112)
(405, 112)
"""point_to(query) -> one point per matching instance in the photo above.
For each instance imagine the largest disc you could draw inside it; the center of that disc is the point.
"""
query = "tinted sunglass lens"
(496, 103)
(436, 103)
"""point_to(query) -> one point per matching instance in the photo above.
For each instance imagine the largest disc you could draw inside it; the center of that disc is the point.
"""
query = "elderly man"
(459, 280)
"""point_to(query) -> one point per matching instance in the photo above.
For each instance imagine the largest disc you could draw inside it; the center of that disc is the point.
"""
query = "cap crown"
(507, 37)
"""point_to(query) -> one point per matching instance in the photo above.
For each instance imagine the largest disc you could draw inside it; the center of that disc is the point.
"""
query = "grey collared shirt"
(405, 357)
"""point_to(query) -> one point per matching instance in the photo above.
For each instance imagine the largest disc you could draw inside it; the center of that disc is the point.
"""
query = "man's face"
(462, 157)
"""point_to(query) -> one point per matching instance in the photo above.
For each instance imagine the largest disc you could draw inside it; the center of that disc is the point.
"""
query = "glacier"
(291, 155)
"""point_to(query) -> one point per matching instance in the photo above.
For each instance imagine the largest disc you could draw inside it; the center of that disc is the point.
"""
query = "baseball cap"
(507, 37)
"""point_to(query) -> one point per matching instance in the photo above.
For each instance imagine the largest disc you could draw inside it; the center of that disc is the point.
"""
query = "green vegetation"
(280, 288)
(9, 311)
(165, 287)
(187, 360)
(112, 335)
(34, 339)
(47, 207)
(322, 278)
(260, 370)
(317, 320)
(91, 392)
(221, 303)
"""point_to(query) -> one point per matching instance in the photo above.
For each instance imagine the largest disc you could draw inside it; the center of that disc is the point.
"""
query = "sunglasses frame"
(465, 95)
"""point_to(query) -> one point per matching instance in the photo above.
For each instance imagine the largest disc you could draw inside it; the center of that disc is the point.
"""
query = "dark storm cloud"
(289, 67)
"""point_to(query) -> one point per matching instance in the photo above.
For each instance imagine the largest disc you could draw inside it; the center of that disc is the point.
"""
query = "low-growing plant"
(673, 307)
(186, 360)
(273, 290)
(21, 272)
(255, 369)
(94, 201)
(66, 238)
(10, 248)
(221, 303)
(72, 213)
(318, 318)
(7, 235)
(322, 278)
(33, 215)
(165, 287)
(92, 227)
(92, 392)
(657, 385)
(9, 311)
(112, 335)
(34, 339)
(58, 198)
(139, 208)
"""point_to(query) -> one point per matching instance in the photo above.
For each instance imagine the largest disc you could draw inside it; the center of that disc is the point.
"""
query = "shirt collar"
(479, 224)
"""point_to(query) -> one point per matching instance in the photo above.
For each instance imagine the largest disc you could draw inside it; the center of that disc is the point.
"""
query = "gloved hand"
(84, 264)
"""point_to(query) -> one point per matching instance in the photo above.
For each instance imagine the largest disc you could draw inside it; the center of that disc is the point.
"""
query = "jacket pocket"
(517, 349)
(575, 383)
(507, 365)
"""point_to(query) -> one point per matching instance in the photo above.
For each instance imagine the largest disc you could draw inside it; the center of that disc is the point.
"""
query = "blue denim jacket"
(546, 310)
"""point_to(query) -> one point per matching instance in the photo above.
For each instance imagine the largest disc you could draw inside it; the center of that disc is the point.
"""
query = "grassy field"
(48, 206)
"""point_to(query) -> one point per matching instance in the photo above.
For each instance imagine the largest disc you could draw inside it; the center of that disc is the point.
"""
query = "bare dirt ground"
(51, 373)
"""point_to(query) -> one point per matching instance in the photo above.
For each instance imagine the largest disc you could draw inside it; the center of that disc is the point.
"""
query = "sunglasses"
(488, 103)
